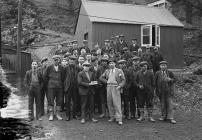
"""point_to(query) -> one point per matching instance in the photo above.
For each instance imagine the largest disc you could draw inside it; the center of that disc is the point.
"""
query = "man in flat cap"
(133, 46)
(33, 81)
(102, 87)
(126, 54)
(71, 88)
(115, 80)
(86, 82)
(164, 80)
(44, 92)
(134, 69)
(86, 46)
(156, 59)
(106, 47)
(53, 76)
(125, 95)
(147, 56)
(145, 83)
(121, 44)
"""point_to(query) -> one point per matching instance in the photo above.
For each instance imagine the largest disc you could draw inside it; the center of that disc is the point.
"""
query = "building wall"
(102, 31)
(83, 26)
(172, 46)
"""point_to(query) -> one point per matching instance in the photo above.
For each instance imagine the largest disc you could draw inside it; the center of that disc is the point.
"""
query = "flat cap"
(148, 46)
(72, 57)
(106, 40)
(87, 64)
(122, 61)
(44, 59)
(74, 41)
(112, 60)
(155, 48)
(67, 54)
(104, 59)
(136, 58)
(121, 35)
(56, 57)
(163, 62)
(125, 48)
(85, 40)
(143, 63)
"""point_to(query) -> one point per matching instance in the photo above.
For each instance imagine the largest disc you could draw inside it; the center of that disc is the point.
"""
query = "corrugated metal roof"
(128, 13)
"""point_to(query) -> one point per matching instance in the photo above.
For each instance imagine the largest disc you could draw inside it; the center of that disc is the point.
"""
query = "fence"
(9, 60)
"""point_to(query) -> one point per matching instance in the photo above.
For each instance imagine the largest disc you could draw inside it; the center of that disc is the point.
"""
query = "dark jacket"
(120, 46)
(133, 48)
(133, 74)
(83, 83)
(147, 80)
(162, 85)
(49, 77)
(128, 79)
(156, 59)
(69, 75)
(28, 78)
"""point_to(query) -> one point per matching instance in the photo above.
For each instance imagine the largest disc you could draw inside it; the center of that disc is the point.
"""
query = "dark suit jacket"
(28, 78)
(68, 75)
(147, 80)
(83, 83)
(164, 86)
(132, 48)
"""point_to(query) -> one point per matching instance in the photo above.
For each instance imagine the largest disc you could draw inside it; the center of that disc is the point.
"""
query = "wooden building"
(154, 26)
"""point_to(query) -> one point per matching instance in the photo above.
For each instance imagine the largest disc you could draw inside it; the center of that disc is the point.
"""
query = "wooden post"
(19, 38)
(0, 43)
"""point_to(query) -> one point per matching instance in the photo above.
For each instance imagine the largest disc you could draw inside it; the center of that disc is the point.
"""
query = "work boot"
(58, 116)
(58, 108)
(141, 118)
(150, 118)
(51, 116)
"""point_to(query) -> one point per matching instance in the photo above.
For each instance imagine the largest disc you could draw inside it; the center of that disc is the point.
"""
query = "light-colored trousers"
(114, 103)
(167, 106)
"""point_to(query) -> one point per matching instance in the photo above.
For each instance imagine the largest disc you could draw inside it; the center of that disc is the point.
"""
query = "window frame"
(150, 36)
(150, 30)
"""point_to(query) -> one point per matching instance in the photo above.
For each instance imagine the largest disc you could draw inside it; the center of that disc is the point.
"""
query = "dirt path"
(189, 127)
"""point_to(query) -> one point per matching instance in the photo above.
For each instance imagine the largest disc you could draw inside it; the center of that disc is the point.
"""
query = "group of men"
(117, 80)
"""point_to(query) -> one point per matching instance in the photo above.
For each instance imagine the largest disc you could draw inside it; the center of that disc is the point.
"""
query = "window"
(86, 36)
(150, 35)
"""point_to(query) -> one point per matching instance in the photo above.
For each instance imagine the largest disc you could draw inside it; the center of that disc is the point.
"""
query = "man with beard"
(54, 78)
(71, 87)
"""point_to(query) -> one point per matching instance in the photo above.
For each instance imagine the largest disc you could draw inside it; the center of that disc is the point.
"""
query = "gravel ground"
(188, 127)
